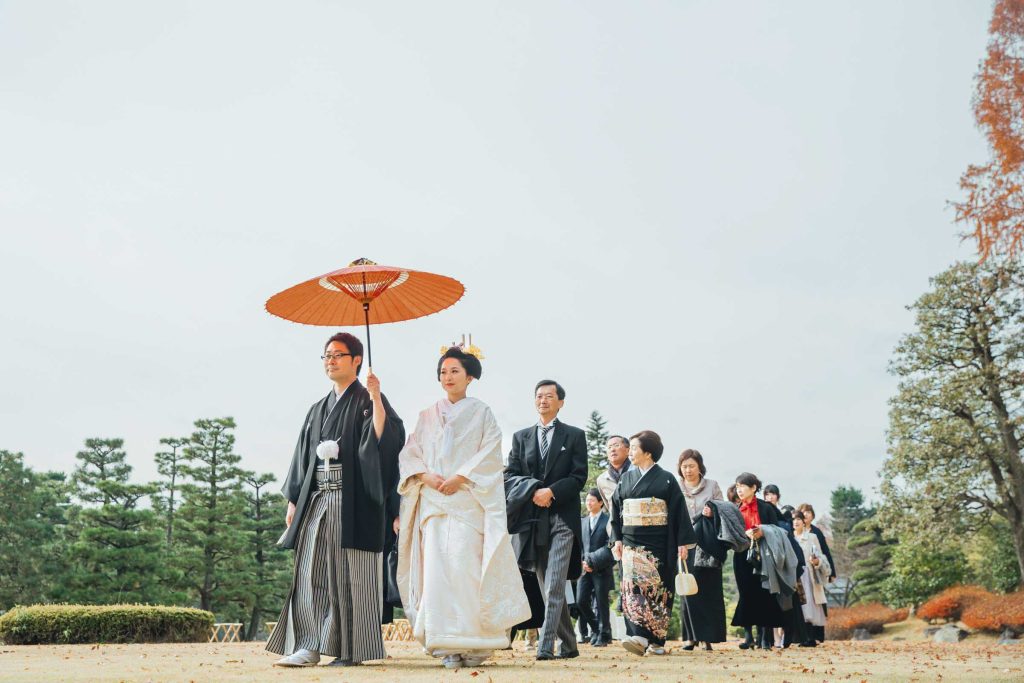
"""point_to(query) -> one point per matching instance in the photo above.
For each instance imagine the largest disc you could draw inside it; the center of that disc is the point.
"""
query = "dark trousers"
(795, 630)
(590, 589)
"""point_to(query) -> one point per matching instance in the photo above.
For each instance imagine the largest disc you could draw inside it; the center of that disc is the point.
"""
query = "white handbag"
(686, 583)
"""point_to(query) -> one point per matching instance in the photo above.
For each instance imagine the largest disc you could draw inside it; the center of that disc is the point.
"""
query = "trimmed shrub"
(949, 605)
(45, 624)
(843, 621)
(996, 613)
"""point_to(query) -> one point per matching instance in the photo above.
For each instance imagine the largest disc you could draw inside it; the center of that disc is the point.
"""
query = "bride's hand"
(433, 480)
(451, 485)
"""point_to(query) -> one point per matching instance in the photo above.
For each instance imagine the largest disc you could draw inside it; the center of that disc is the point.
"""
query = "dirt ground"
(835, 661)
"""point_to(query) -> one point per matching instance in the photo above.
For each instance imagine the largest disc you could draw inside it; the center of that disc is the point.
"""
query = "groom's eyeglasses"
(335, 356)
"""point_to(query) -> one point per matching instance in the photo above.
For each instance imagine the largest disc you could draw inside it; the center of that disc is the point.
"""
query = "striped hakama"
(335, 603)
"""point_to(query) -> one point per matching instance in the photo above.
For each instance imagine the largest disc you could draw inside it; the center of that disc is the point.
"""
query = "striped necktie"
(544, 443)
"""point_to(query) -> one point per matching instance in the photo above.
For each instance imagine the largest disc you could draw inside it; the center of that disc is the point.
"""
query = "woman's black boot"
(748, 641)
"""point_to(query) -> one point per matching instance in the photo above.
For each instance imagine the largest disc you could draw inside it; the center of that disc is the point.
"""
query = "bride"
(460, 585)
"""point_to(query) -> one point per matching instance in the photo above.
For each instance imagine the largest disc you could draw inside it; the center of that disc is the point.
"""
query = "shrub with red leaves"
(997, 613)
(949, 605)
(843, 621)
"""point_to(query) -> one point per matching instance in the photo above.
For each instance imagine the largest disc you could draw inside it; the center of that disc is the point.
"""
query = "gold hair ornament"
(470, 348)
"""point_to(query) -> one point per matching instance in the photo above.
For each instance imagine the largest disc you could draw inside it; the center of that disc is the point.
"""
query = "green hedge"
(44, 624)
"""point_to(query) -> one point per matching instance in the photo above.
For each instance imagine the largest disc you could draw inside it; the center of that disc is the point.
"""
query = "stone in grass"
(1009, 638)
(861, 634)
(931, 631)
(950, 633)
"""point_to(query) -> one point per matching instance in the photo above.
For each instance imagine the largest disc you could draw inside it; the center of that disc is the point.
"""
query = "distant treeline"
(207, 538)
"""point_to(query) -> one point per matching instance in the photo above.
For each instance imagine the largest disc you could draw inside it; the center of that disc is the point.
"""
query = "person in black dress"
(705, 621)
(756, 606)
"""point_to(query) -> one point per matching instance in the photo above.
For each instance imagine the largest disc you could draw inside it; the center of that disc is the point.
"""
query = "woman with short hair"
(651, 530)
(706, 622)
(808, 511)
(814, 577)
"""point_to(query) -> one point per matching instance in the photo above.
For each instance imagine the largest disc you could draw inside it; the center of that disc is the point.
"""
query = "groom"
(555, 456)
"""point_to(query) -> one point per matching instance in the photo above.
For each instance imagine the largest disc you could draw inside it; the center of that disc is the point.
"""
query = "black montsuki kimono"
(370, 467)
(652, 594)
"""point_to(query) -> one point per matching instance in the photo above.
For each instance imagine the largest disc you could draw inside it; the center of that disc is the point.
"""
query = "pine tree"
(32, 508)
(211, 519)
(103, 460)
(847, 509)
(168, 464)
(597, 457)
(956, 422)
(871, 571)
(116, 556)
(269, 573)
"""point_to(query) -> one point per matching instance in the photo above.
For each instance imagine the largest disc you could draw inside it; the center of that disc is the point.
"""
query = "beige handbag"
(686, 583)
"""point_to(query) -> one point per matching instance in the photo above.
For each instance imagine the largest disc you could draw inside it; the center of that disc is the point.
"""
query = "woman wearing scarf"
(756, 606)
(650, 531)
(707, 607)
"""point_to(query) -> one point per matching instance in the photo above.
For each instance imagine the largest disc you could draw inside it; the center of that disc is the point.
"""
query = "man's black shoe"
(568, 655)
(544, 656)
(343, 662)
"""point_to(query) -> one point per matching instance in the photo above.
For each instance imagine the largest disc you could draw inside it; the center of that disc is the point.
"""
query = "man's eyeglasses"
(335, 356)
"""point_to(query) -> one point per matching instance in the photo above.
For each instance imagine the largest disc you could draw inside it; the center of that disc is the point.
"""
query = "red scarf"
(749, 511)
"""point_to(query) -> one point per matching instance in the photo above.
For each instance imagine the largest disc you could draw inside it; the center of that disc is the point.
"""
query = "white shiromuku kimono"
(814, 579)
(457, 573)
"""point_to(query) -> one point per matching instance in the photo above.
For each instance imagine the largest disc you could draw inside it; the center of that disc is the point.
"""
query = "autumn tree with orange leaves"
(994, 203)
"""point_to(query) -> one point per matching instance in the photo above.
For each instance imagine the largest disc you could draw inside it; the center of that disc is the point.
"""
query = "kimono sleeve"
(297, 470)
(387, 446)
(615, 514)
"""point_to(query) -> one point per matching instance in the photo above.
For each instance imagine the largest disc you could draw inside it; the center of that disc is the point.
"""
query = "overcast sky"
(703, 218)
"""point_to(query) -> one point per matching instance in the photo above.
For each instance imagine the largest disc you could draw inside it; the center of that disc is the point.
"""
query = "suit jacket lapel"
(586, 534)
(555, 449)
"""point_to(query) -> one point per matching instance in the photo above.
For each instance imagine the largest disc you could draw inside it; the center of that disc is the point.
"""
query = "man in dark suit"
(596, 581)
(555, 456)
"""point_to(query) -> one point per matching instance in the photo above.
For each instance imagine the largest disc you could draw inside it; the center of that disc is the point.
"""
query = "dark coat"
(564, 471)
(755, 606)
(596, 552)
(369, 467)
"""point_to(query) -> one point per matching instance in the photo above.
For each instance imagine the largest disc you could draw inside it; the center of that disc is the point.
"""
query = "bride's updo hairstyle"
(470, 363)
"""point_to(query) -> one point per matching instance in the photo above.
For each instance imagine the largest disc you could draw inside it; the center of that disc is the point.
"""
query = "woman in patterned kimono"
(651, 531)
(457, 573)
